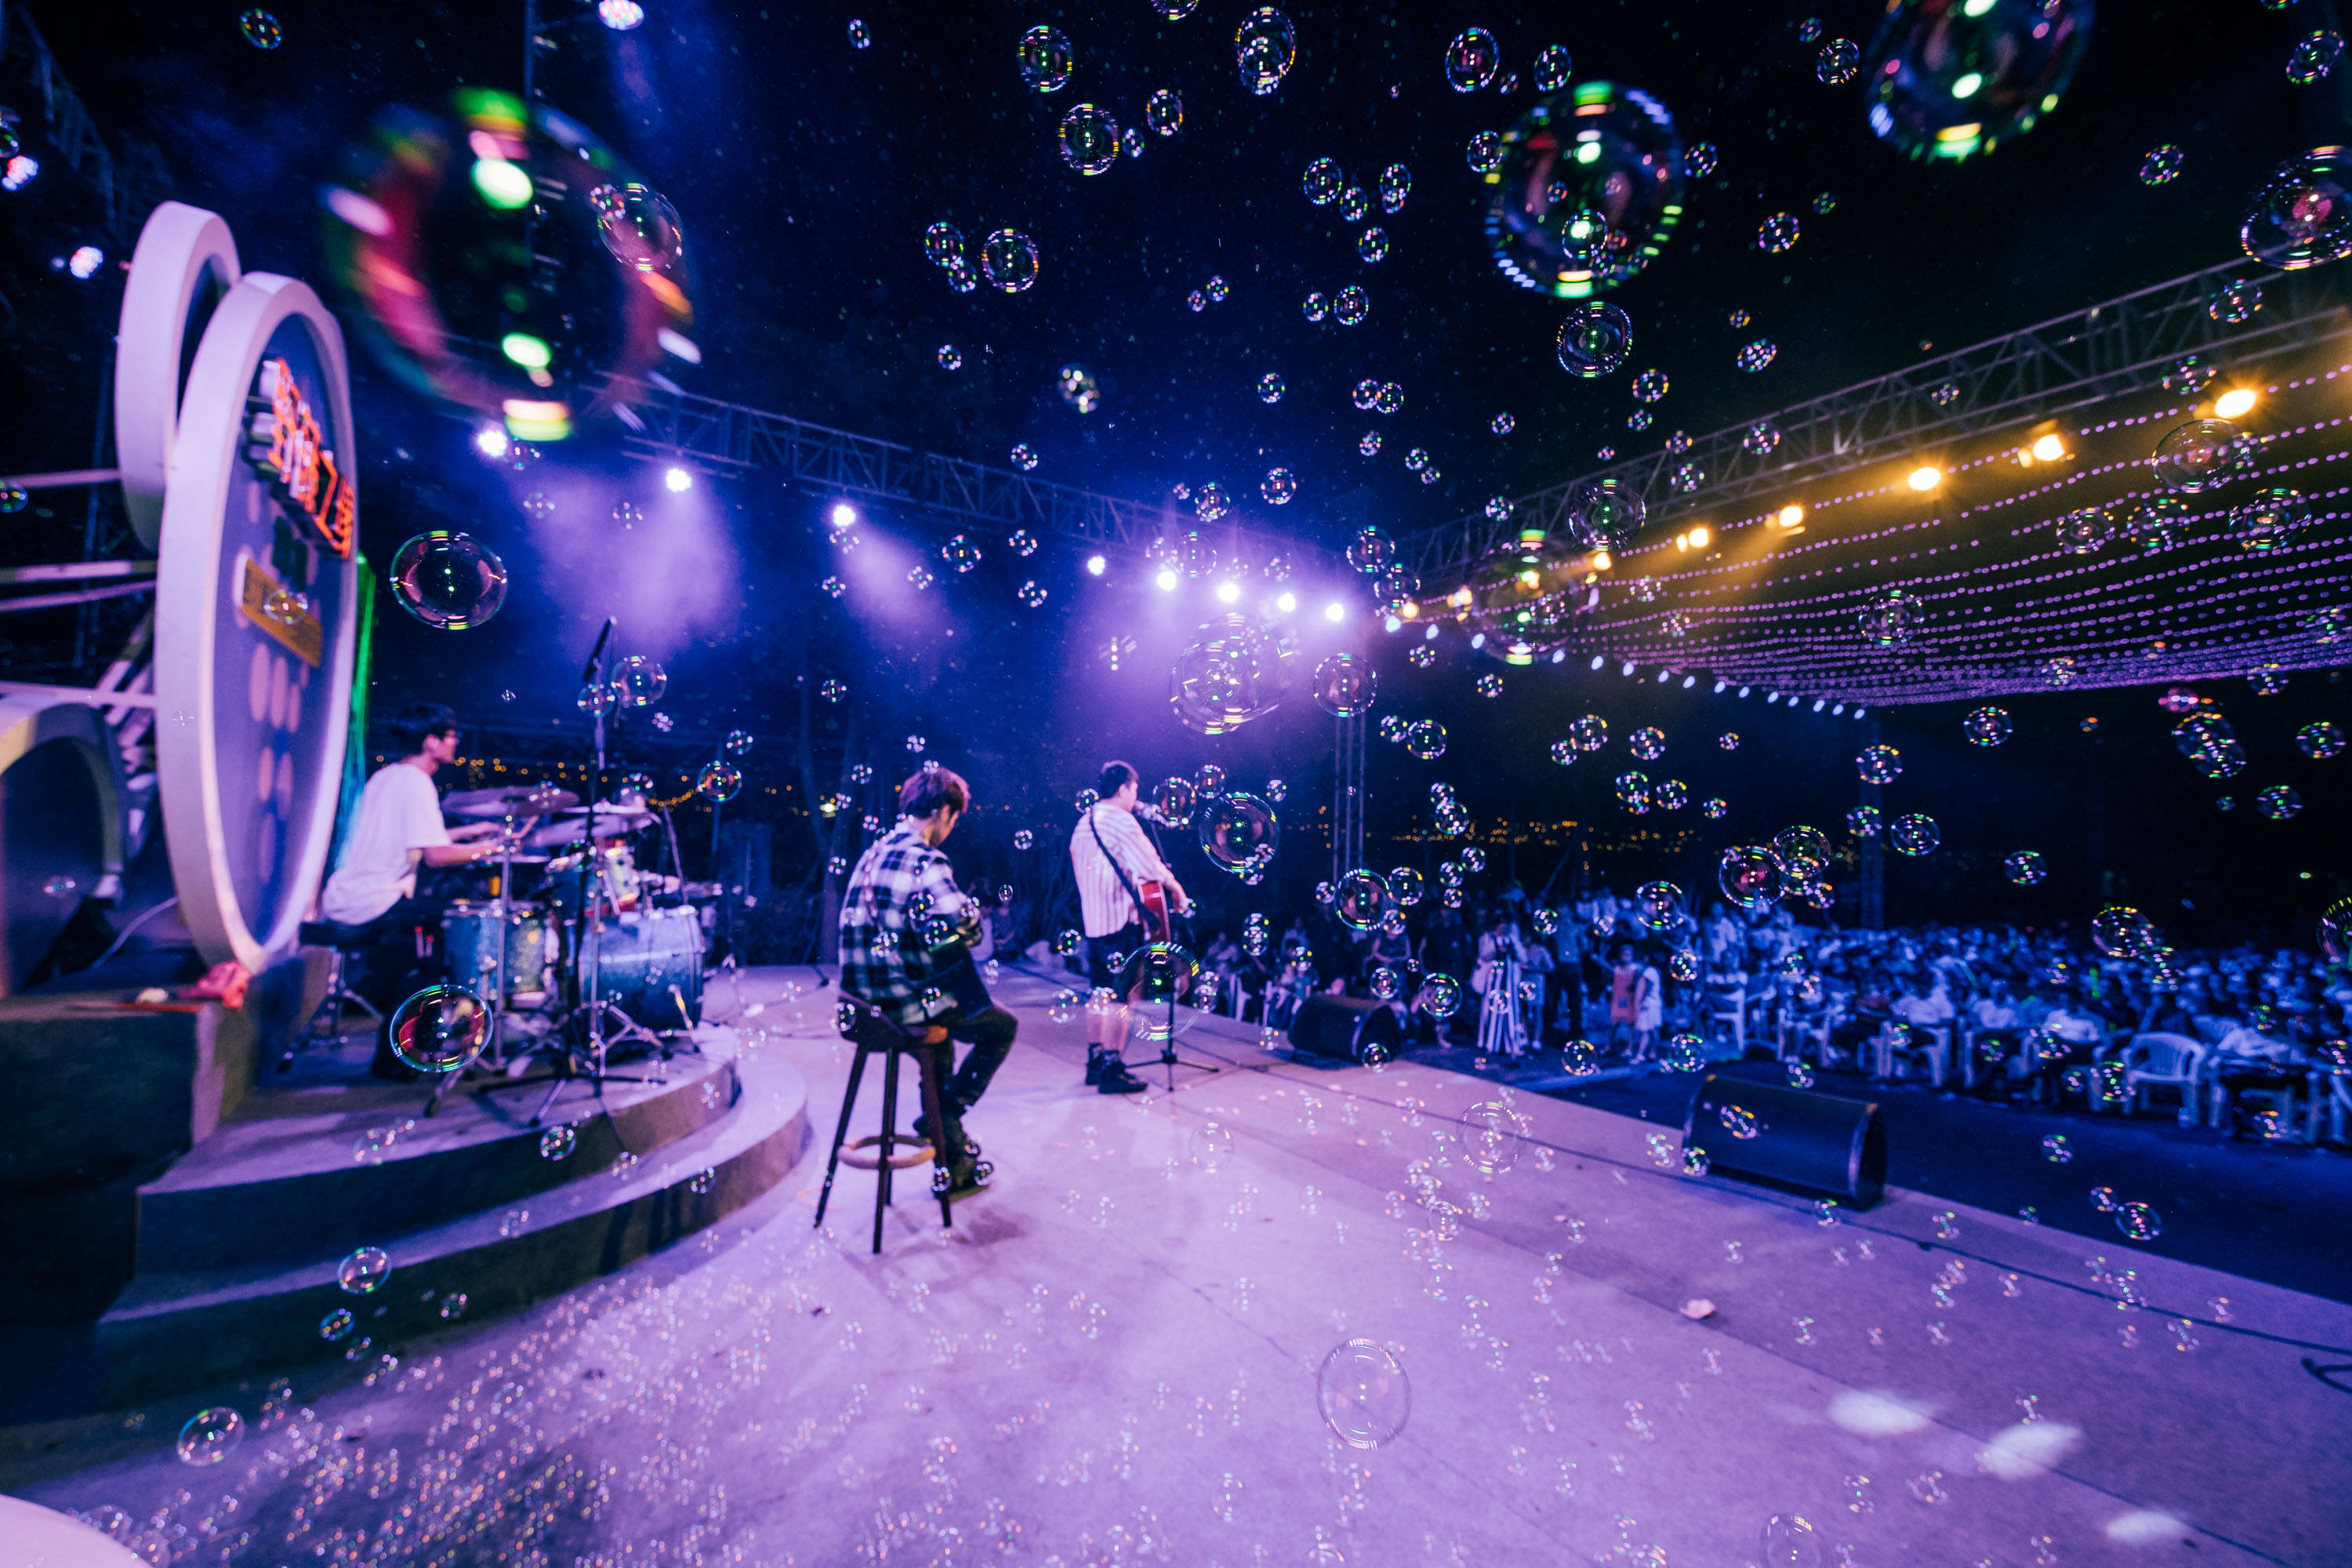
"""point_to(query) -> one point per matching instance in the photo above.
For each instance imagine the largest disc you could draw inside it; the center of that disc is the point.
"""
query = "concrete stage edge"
(1112, 1358)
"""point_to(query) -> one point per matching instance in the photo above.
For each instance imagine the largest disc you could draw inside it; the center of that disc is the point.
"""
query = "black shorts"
(1106, 955)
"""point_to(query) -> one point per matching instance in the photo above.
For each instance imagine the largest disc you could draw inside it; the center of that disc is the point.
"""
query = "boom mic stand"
(589, 950)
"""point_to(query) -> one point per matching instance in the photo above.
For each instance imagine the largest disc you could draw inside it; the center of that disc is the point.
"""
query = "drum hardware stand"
(591, 951)
(494, 1003)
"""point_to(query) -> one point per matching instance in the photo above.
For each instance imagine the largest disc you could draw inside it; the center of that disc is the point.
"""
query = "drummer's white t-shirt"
(399, 810)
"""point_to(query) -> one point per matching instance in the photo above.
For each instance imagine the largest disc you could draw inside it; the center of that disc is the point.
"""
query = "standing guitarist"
(1126, 893)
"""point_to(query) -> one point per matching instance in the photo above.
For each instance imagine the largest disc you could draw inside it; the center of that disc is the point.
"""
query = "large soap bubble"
(1237, 832)
(439, 1028)
(1605, 514)
(1345, 685)
(1595, 340)
(1359, 899)
(1263, 47)
(1946, 79)
(1363, 1394)
(1602, 149)
(2301, 215)
(448, 230)
(2203, 455)
(449, 581)
(1233, 672)
(1749, 875)
(1045, 58)
(2269, 518)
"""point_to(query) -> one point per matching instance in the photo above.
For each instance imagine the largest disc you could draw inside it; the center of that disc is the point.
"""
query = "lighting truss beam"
(673, 427)
(2071, 362)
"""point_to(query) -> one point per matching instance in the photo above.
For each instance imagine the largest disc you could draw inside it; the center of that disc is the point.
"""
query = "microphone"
(1149, 812)
(588, 670)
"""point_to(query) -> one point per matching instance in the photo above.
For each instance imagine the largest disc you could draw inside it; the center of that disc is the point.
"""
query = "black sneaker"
(1096, 1056)
(967, 1178)
(1115, 1078)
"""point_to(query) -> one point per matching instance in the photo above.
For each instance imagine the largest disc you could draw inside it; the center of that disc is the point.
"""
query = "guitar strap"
(1125, 880)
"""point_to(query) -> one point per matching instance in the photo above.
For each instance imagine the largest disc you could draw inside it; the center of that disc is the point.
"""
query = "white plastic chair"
(2161, 1060)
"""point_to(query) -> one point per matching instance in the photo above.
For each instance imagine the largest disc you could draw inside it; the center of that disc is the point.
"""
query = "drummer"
(396, 829)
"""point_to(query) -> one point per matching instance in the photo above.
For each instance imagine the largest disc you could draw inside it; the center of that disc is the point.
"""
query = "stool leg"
(933, 1107)
(889, 1136)
(841, 1132)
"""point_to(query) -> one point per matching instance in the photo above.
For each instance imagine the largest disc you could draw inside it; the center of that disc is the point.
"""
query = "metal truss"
(732, 437)
(130, 183)
(2070, 361)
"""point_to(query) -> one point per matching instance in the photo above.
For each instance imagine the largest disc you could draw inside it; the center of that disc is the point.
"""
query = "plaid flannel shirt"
(885, 958)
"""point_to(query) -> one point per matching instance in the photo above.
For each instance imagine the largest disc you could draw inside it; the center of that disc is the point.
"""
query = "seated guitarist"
(905, 930)
(1115, 865)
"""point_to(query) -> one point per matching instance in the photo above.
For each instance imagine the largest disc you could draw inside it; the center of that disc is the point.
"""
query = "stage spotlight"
(1601, 561)
(1927, 478)
(1228, 592)
(490, 441)
(678, 480)
(1820, 703)
(1429, 633)
(1719, 686)
(1838, 709)
(1665, 676)
(84, 260)
(1335, 611)
(1391, 624)
(620, 14)
(1477, 639)
(1701, 536)
(1689, 681)
(1626, 670)
(2049, 448)
(1559, 655)
(1165, 579)
(1857, 712)
(1745, 690)
(1285, 601)
(1095, 565)
(1596, 661)
(1791, 515)
(844, 514)
(2234, 402)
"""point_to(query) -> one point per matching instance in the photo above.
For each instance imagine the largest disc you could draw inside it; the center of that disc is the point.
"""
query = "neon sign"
(282, 440)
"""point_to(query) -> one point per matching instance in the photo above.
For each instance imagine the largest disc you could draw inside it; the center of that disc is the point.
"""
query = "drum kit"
(599, 952)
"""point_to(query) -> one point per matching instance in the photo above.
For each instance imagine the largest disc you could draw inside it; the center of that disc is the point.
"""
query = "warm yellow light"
(2049, 448)
(1529, 577)
(1409, 610)
(1927, 478)
(1700, 537)
(1601, 562)
(2234, 402)
(1460, 597)
(1791, 515)
(1681, 542)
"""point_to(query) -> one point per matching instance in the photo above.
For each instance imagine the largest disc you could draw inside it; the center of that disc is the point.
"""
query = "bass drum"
(60, 823)
(651, 966)
(470, 934)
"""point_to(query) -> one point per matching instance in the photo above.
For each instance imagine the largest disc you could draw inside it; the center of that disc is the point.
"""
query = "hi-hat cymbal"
(512, 800)
(572, 826)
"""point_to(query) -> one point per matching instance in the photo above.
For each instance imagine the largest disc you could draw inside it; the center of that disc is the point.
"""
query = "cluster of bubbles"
(1235, 670)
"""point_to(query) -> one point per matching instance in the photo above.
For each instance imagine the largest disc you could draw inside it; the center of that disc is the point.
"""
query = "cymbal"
(572, 828)
(512, 800)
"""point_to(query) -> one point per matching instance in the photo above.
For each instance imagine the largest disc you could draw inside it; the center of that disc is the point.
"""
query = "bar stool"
(342, 944)
(875, 1033)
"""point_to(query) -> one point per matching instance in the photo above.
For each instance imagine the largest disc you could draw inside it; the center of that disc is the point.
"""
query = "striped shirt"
(1102, 899)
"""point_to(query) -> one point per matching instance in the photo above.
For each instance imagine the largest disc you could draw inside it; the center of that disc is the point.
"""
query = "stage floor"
(1113, 1358)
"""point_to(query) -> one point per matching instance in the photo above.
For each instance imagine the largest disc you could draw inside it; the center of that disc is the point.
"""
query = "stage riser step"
(170, 1335)
(209, 1226)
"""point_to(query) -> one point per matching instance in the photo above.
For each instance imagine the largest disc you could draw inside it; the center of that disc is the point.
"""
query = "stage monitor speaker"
(1341, 1027)
(1790, 1138)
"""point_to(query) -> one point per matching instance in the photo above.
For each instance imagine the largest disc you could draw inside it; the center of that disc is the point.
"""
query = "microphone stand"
(1169, 1060)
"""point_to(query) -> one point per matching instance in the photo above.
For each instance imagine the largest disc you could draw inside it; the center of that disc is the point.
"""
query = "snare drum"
(468, 934)
(647, 955)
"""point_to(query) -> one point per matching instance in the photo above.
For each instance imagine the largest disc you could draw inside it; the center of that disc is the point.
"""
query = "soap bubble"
(638, 681)
(2025, 869)
(1349, 307)
(1657, 901)
(1862, 822)
(2235, 302)
(337, 1325)
(720, 783)
(1790, 1540)
(210, 1435)
(1425, 740)
(449, 581)
(1777, 233)
(1595, 340)
(2269, 518)
(1485, 151)
(1605, 513)
(2320, 739)
(1803, 852)
(1440, 996)
(1684, 1052)
(1754, 356)
(1879, 764)
(2161, 166)
(1089, 139)
(1699, 159)
(361, 1273)
(2203, 455)
(1888, 620)
(1371, 550)
(1986, 726)
(2315, 56)
(2140, 1222)
(1373, 244)
(1278, 487)
(439, 1028)
(638, 226)
(1323, 182)
(1839, 62)
(2056, 1149)
(1359, 899)
(1269, 388)
(260, 29)
(1345, 685)
(1264, 47)
(1749, 875)
(1914, 833)
(1237, 832)
(1492, 1134)
(1363, 1394)
(1551, 69)
(1650, 385)
(2278, 802)
(557, 1143)
(1008, 259)
(1210, 1145)
(1947, 81)
(1601, 148)
(2301, 215)
(1045, 58)
(1472, 59)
